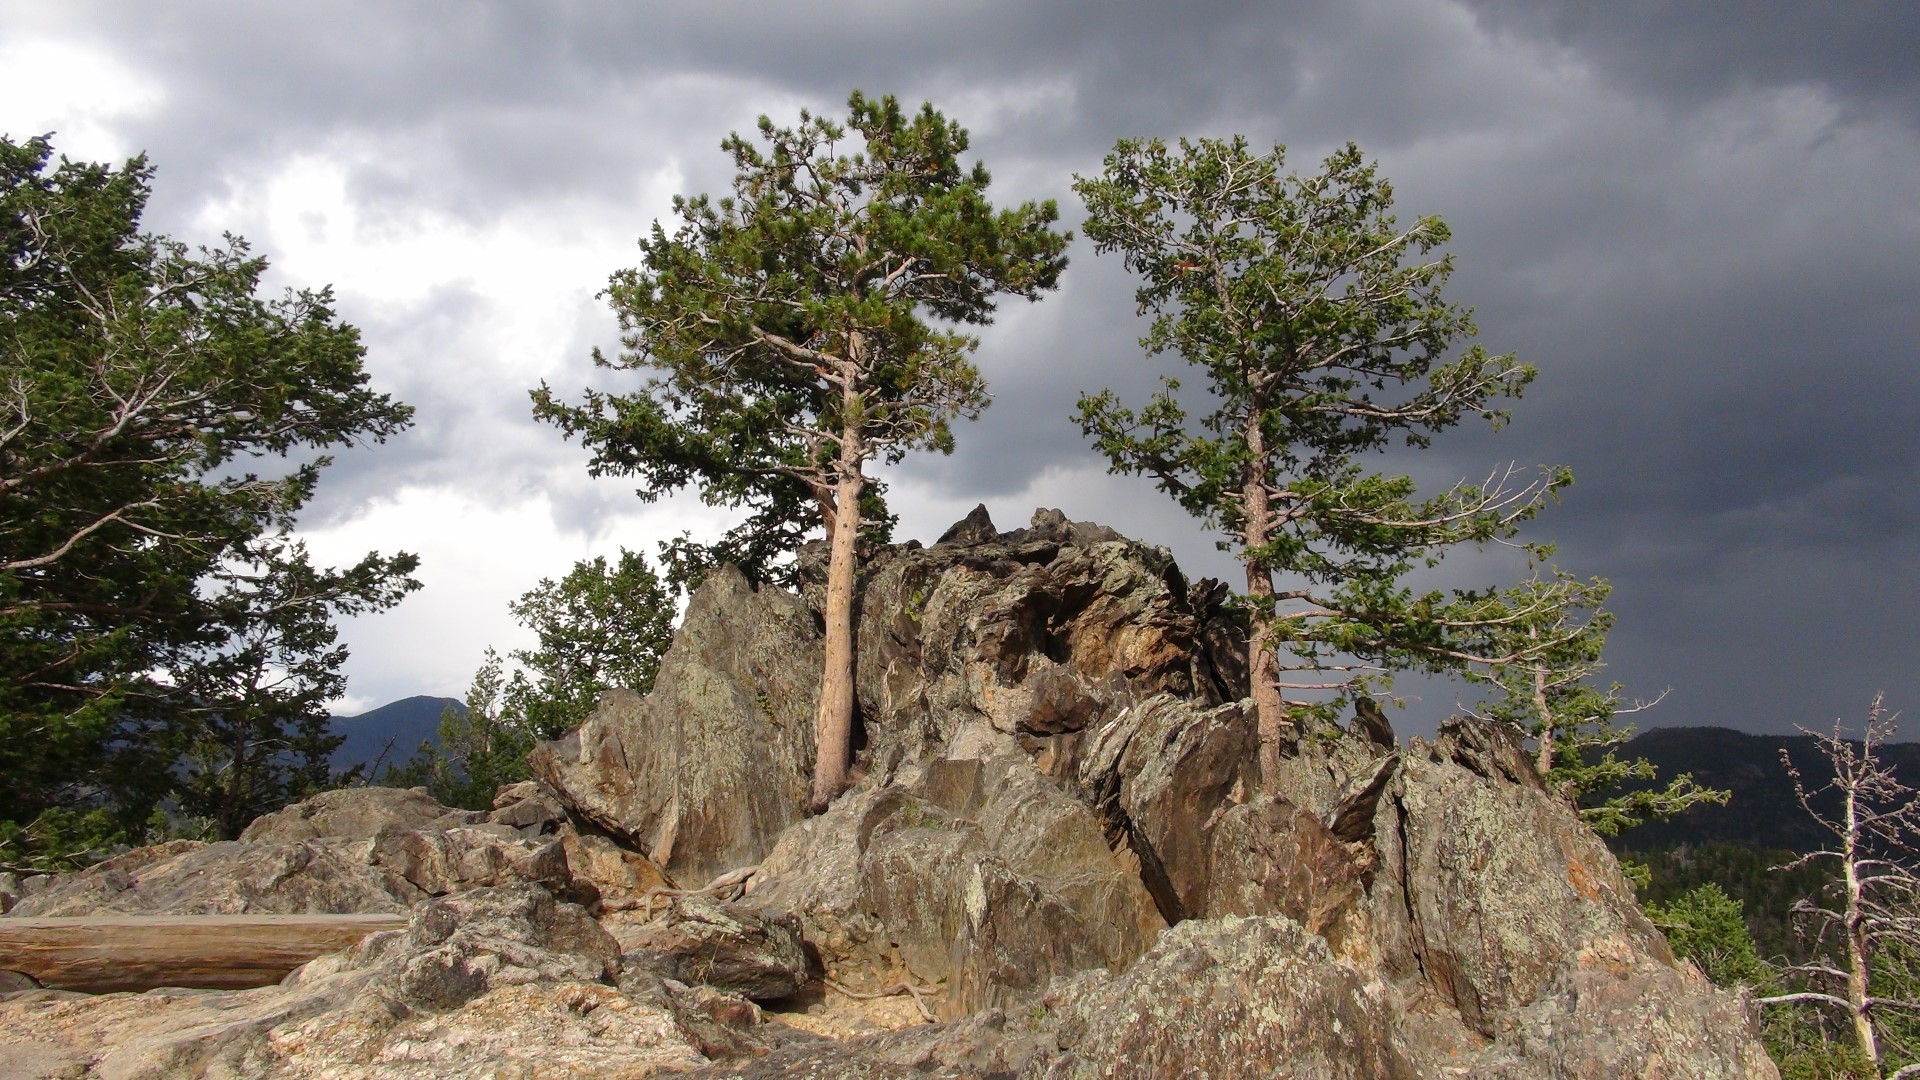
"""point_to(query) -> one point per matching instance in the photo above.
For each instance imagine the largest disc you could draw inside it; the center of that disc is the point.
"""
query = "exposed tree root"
(728, 886)
(917, 993)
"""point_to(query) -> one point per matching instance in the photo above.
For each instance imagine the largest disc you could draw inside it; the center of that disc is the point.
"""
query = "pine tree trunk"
(833, 723)
(1263, 665)
(1545, 708)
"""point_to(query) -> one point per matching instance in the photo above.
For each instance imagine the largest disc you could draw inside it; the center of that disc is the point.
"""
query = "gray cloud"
(1862, 51)
(1699, 223)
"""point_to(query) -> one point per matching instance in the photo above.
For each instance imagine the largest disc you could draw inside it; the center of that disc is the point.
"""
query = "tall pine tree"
(802, 328)
(1317, 323)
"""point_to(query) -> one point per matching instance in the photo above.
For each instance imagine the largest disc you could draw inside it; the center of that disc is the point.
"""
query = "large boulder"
(959, 915)
(1503, 887)
(352, 851)
(1503, 923)
(388, 870)
(704, 773)
(1176, 782)
(1227, 998)
(729, 947)
(1161, 772)
(441, 862)
(187, 877)
(357, 813)
(987, 875)
(607, 875)
(1037, 826)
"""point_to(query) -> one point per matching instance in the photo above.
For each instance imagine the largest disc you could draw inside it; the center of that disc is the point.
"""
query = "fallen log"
(105, 953)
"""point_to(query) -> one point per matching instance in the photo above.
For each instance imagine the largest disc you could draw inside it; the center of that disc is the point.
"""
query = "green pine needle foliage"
(162, 422)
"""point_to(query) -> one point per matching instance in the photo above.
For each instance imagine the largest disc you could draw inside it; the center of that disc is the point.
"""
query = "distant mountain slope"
(397, 728)
(1763, 811)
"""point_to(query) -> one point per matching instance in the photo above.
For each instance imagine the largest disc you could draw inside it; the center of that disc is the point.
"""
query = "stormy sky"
(1701, 222)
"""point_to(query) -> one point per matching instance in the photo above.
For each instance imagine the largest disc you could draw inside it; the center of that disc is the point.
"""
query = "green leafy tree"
(142, 385)
(801, 329)
(601, 626)
(257, 732)
(1750, 875)
(1547, 692)
(1317, 322)
(604, 625)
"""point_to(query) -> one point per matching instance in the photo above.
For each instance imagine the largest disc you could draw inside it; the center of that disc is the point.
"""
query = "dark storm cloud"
(1865, 51)
(1721, 306)
(511, 103)
(1699, 221)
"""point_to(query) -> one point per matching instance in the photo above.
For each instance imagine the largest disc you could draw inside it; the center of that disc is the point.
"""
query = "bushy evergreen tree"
(1548, 690)
(159, 419)
(1708, 927)
(257, 733)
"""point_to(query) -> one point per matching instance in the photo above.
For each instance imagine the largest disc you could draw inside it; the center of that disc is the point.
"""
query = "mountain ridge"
(1763, 810)
(389, 735)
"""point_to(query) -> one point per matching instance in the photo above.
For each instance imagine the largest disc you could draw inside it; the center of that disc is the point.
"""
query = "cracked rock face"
(704, 773)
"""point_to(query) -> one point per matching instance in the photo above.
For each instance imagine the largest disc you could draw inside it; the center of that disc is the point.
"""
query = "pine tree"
(160, 420)
(1548, 692)
(1317, 323)
(798, 330)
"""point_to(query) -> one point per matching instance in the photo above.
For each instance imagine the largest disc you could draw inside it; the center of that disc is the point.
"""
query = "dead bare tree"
(1876, 893)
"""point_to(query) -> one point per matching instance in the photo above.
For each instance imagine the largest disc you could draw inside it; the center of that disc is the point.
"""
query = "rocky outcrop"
(1059, 841)
(355, 814)
(986, 640)
(1464, 903)
(186, 877)
(703, 774)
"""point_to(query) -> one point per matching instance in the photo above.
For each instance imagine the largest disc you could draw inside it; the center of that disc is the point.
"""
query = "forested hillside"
(1761, 811)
